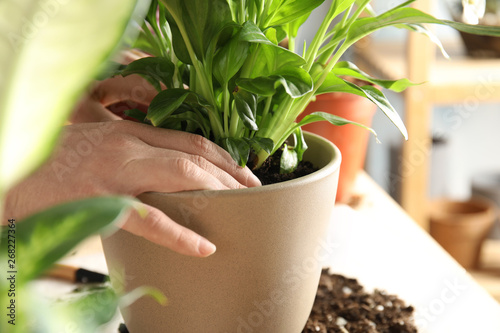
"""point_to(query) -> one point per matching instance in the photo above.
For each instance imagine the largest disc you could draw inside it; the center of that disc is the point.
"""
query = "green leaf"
(44, 70)
(45, 237)
(418, 28)
(296, 81)
(291, 10)
(136, 114)
(332, 119)
(293, 27)
(336, 84)
(156, 294)
(345, 4)
(188, 121)
(164, 104)
(379, 99)
(365, 26)
(252, 34)
(289, 160)
(179, 45)
(484, 30)
(333, 83)
(167, 101)
(345, 68)
(246, 106)
(271, 58)
(197, 23)
(230, 58)
(264, 143)
(263, 86)
(239, 150)
(155, 69)
(90, 310)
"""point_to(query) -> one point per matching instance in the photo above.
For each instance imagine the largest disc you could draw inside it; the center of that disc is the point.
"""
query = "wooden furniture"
(459, 80)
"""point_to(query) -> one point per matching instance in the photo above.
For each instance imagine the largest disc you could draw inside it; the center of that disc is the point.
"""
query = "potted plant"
(487, 13)
(227, 78)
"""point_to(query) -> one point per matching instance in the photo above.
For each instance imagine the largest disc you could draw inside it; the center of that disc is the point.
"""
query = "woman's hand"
(126, 158)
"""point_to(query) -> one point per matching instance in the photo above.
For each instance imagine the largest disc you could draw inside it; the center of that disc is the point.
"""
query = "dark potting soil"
(269, 172)
(343, 306)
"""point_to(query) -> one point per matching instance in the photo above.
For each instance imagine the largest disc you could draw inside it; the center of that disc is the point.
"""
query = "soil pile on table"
(342, 306)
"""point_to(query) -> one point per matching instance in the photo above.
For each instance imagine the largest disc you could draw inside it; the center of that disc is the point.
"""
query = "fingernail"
(253, 180)
(205, 248)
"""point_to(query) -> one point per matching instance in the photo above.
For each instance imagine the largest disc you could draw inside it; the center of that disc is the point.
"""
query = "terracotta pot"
(487, 185)
(265, 273)
(461, 227)
(351, 140)
(481, 46)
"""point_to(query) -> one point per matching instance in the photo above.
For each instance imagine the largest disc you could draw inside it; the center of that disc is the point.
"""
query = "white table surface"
(402, 259)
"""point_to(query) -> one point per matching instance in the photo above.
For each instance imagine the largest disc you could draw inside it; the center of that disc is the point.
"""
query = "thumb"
(160, 229)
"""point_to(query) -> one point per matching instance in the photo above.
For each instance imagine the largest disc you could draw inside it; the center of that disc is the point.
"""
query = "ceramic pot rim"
(328, 169)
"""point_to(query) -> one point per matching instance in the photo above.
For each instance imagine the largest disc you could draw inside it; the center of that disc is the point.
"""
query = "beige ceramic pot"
(461, 227)
(264, 276)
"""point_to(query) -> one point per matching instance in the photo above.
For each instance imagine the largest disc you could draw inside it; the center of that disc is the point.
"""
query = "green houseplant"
(229, 80)
(243, 90)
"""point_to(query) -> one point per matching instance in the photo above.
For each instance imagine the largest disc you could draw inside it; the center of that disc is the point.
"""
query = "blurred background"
(452, 155)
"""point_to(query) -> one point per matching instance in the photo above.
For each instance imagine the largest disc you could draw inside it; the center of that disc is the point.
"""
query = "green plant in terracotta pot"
(227, 78)
(351, 140)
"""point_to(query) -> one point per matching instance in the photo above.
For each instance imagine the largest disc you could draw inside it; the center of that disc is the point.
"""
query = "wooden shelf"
(449, 80)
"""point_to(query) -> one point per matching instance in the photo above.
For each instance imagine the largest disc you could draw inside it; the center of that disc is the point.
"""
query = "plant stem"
(154, 40)
(225, 103)
(358, 12)
(264, 12)
(249, 64)
(270, 17)
(291, 42)
(235, 123)
(319, 37)
(346, 15)
(265, 112)
(271, 127)
(242, 11)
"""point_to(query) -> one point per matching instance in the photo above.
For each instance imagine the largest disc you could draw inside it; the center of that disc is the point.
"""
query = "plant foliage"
(228, 78)
(49, 52)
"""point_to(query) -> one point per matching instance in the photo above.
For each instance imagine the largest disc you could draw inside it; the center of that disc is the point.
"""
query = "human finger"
(189, 170)
(160, 229)
(194, 145)
(169, 174)
(132, 88)
(92, 111)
